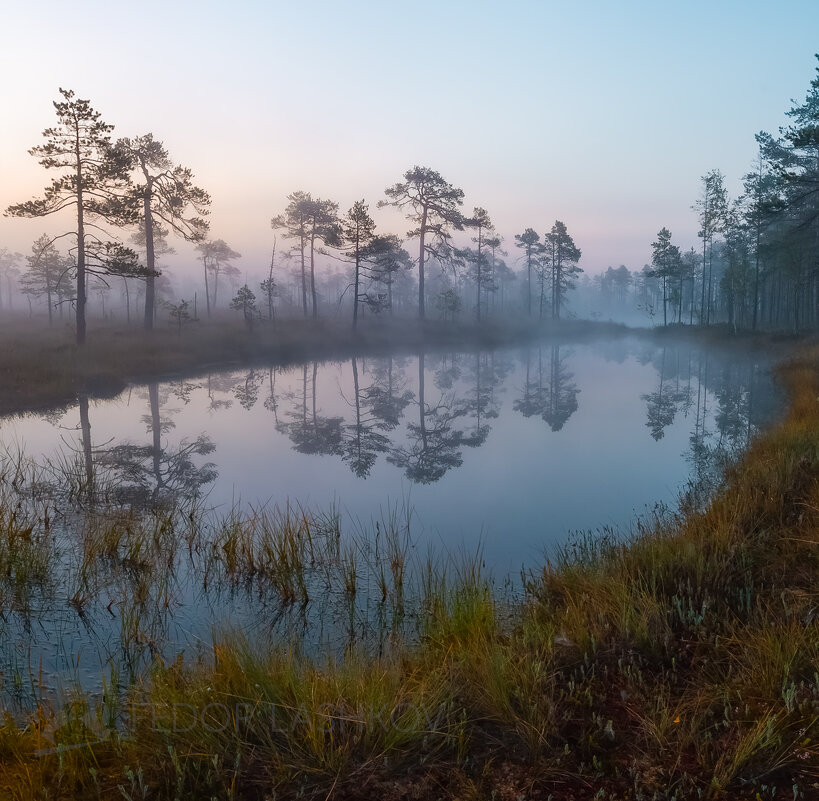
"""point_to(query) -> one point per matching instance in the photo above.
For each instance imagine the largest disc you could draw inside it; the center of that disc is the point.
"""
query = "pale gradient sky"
(601, 114)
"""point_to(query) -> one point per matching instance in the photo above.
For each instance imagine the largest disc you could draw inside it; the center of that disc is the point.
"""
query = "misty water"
(507, 453)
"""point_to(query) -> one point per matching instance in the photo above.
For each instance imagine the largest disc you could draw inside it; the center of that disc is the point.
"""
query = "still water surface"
(508, 451)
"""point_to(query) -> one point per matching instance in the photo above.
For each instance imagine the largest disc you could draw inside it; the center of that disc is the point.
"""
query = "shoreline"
(681, 662)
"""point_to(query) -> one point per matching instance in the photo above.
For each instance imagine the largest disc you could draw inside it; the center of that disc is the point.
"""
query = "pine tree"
(529, 242)
(47, 269)
(477, 258)
(358, 232)
(666, 264)
(309, 222)
(216, 256)
(433, 205)
(93, 182)
(563, 258)
(163, 193)
(245, 302)
(712, 206)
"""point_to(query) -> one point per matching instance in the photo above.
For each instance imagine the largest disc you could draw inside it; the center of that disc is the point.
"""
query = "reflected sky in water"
(512, 449)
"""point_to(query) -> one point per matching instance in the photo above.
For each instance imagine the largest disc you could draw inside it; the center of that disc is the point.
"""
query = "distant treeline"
(756, 264)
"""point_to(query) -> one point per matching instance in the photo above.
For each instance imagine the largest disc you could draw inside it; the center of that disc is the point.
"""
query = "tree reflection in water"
(725, 398)
(434, 445)
(382, 419)
(145, 474)
(549, 393)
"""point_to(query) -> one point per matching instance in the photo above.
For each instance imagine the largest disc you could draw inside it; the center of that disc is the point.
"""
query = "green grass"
(680, 663)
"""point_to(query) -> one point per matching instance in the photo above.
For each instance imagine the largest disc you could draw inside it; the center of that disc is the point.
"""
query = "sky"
(604, 115)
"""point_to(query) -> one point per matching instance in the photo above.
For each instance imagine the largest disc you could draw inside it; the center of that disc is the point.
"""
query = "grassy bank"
(42, 367)
(681, 664)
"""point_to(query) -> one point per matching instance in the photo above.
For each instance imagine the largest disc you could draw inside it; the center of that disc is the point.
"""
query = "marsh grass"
(26, 540)
(679, 662)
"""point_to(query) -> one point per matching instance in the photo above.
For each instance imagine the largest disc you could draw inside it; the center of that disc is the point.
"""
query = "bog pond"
(136, 526)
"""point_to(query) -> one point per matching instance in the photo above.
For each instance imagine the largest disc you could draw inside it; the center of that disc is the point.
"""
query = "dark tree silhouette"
(87, 451)
(551, 393)
(711, 207)
(144, 475)
(309, 431)
(216, 258)
(93, 182)
(663, 403)
(481, 404)
(44, 277)
(179, 314)
(357, 233)
(295, 222)
(363, 439)
(271, 402)
(479, 267)
(323, 227)
(387, 396)
(432, 205)
(561, 393)
(309, 221)
(245, 302)
(563, 258)
(532, 402)
(269, 285)
(9, 270)
(384, 262)
(162, 191)
(448, 371)
(247, 391)
(434, 445)
(666, 264)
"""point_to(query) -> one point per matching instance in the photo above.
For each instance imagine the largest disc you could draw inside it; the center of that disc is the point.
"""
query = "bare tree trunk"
(710, 282)
(156, 431)
(270, 283)
(303, 279)
(702, 303)
(80, 310)
(207, 289)
(421, 409)
(665, 304)
(85, 430)
(127, 301)
(756, 253)
(529, 283)
(421, 254)
(315, 374)
(355, 295)
(150, 257)
(693, 284)
(479, 273)
(357, 408)
(313, 295)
